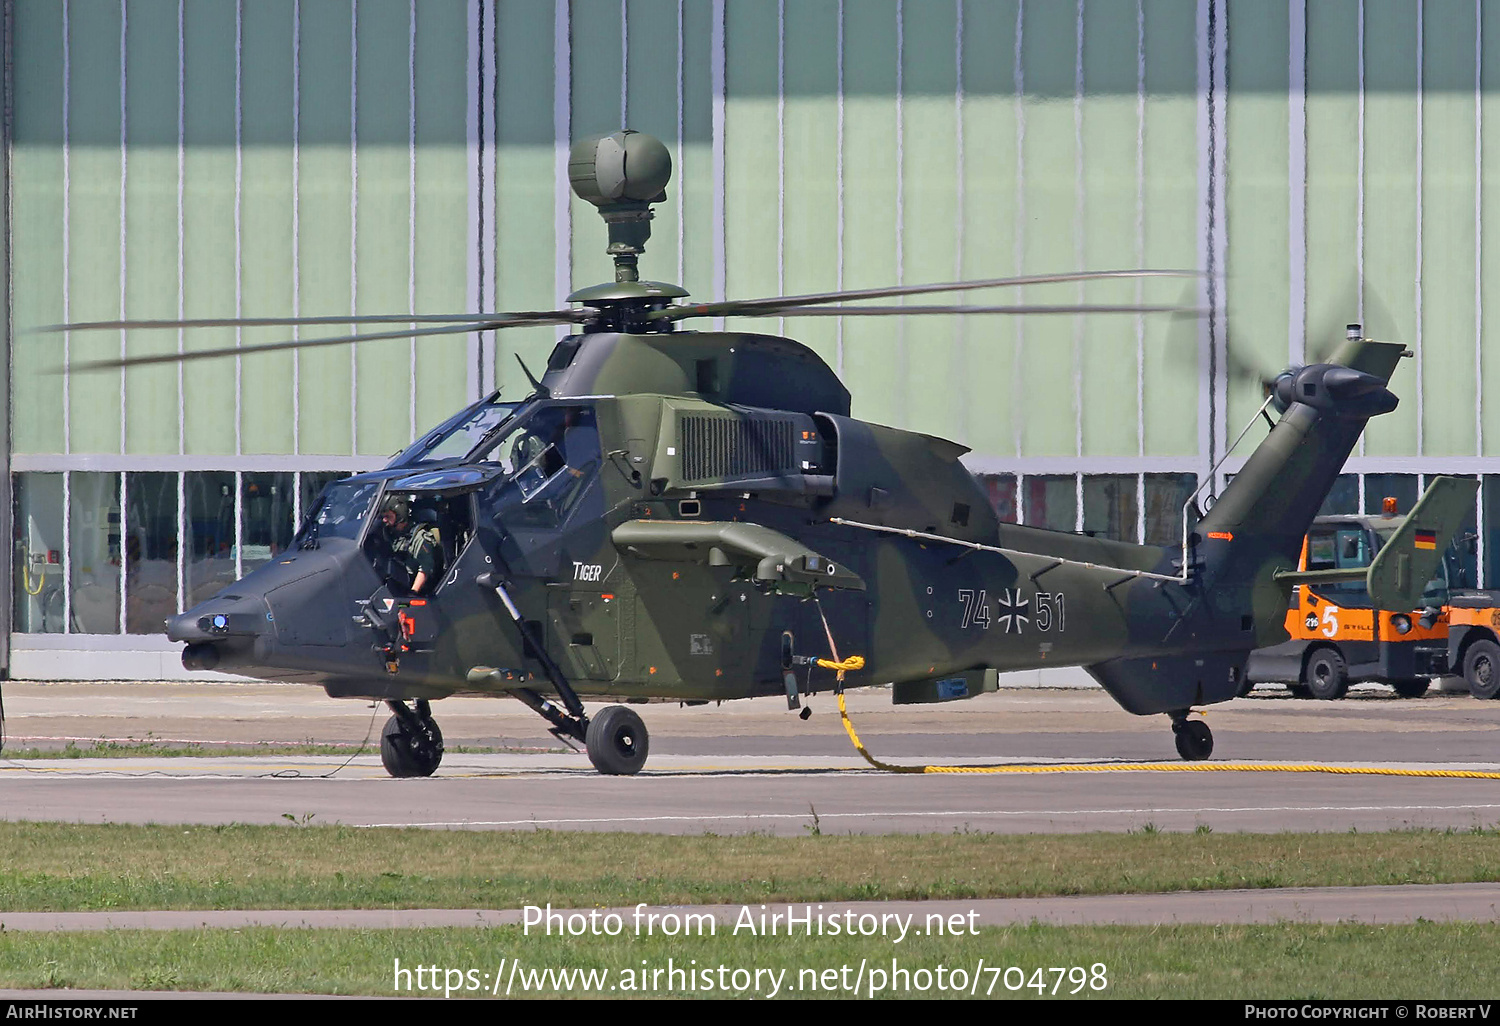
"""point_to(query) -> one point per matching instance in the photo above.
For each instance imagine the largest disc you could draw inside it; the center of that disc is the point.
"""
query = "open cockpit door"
(422, 525)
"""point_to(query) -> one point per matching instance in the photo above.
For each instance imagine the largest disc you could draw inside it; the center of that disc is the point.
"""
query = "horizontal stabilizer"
(1411, 556)
(1353, 573)
(772, 557)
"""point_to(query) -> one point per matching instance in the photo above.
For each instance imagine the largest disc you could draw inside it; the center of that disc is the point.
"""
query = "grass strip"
(81, 867)
(1282, 961)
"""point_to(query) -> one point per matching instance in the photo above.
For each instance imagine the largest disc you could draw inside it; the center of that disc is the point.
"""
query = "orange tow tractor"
(1473, 649)
(1338, 637)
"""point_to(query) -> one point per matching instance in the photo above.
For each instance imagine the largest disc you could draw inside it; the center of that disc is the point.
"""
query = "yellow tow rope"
(1159, 767)
(840, 666)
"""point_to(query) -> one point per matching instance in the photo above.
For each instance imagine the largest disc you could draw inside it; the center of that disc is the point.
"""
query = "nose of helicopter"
(221, 627)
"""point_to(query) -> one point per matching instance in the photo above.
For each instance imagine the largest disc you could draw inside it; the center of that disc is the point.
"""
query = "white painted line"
(1297, 179)
(67, 269)
(296, 240)
(411, 217)
(1017, 369)
(838, 330)
(239, 249)
(562, 104)
(472, 296)
(124, 264)
(353, 222)
(1417, 282)
(181, 175)
(717, 86)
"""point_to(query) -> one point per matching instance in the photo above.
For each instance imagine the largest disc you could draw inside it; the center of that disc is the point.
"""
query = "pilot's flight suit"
(418, 550)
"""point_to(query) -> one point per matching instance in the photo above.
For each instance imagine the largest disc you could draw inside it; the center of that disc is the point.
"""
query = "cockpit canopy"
(525, 469)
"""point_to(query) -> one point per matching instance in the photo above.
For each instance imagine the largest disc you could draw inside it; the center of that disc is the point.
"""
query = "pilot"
(415, 546)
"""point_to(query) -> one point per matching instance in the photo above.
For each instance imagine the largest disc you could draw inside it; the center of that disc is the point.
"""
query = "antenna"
(542, 391)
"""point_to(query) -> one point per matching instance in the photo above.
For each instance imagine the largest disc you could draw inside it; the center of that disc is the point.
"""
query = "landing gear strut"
(616, 739)
(1195, 742)
(411, 744)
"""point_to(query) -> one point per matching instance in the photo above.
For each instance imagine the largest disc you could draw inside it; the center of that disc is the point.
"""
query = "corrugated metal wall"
(321, 156)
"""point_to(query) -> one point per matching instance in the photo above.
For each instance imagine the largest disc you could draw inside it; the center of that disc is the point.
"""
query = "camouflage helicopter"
(695, 516)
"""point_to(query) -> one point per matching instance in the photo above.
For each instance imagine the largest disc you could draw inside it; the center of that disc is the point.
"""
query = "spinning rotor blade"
(889, 311)
(776, 305)
(290, 322)
(1182, 339)
(558, 317)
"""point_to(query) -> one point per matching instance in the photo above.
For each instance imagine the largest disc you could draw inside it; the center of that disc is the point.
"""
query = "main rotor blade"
(205, 354)
(290, 322)
(897, 311)
(741, 307)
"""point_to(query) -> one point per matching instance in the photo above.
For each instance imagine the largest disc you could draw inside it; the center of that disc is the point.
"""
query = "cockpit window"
(535, 449)
(460, 439)
(339, 513)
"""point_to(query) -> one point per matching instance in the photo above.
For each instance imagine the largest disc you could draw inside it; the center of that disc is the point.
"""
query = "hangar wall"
(197, 158)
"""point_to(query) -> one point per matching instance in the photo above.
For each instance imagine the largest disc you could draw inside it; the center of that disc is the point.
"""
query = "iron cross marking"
(1014, 611)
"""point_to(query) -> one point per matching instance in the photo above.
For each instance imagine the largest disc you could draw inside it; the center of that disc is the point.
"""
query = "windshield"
(339, 513)
(460, 439)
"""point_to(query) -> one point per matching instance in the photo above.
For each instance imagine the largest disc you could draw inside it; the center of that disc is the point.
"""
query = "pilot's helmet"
(399, 506)
(427, 515)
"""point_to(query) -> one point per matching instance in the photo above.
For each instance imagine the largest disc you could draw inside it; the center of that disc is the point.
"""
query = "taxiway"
(751, 766)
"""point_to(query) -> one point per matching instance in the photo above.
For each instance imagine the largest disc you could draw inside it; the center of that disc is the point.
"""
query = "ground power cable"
(283, 774)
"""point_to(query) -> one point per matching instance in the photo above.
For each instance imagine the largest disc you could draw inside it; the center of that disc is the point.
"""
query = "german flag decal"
(1426, 539)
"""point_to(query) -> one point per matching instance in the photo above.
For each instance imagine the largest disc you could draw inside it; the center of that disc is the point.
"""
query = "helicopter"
(695, 516)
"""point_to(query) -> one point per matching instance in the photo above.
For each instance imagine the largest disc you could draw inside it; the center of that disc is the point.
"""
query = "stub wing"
(770, 556)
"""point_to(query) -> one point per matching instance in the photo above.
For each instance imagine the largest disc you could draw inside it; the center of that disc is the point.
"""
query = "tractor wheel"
(1482, 669)
(1326, 675)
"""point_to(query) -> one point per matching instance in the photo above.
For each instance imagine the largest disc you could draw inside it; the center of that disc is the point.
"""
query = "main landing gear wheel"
(1414, 688)
(411, 744)
(617, 742)
(1326, 675)
(1195, 742)
(1482, 669)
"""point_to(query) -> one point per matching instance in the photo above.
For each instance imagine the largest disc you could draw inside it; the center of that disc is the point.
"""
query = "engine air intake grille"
(717, 448)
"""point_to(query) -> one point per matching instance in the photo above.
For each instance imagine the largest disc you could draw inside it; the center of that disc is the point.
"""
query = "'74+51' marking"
(1012, 611)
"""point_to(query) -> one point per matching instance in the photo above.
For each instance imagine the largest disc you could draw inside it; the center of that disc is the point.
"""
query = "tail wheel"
(1482, 669)
(617, 741)
(1326, 675)
(1195, 742)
